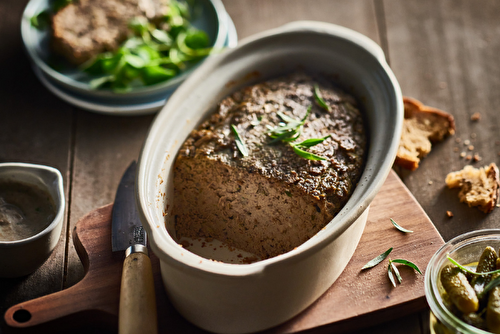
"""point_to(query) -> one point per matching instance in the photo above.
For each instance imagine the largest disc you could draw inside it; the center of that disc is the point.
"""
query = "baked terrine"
(86, 28)
(269, 198)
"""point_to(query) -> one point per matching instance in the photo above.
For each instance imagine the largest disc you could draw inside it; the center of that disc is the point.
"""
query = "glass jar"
(465, 249)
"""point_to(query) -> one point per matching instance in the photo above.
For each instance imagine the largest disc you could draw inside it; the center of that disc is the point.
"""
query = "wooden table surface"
(444, 53)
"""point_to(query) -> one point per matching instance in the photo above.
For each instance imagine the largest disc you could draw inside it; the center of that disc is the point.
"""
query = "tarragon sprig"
(392, 270)
(372, 263)
(402, 229)
(290, 130)
(298, 148)
(319, 98)
(239, 142)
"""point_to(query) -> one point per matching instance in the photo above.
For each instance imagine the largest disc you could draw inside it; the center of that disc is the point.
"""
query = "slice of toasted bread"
(479, 186)
(422, 126)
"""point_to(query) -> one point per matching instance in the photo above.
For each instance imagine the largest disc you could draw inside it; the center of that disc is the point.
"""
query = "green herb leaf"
(305, 154)
(308, 112)
(154, 74)
(134, 61)
(257, 121)
(471, 271)
(391, 276)
(57, 5)
(239, 142)
(402, 229)
(98, 82)
(162, 36)
(194, 43)
(312, 142)
(150, 55)
(286, 136)
(291, 131)
(377, 260)
(492, 284)
(139, 25)
(396, 271)
(287, 118)
(41, 20)
(408, 263)
(319, 98)
(197, 39)
(147, 53)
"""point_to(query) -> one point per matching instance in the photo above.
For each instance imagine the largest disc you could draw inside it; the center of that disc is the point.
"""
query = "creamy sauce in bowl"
(25, 210)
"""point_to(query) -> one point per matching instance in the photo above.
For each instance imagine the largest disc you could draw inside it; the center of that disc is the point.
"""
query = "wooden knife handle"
(137, 313)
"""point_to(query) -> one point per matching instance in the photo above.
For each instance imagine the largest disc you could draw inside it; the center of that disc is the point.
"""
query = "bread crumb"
(466, 142)
(469, 157)
(449, 214)
(478, 186)
(475, 117)
(477, 157)
(430, 182)
(422, 127)
(455, 149)
(473, 135)
(471, 147)
(458, 140)
(463, 154)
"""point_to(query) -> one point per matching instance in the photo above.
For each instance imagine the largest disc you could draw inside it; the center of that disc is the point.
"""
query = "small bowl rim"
(59, 217)
(29, 11)
(433, 268)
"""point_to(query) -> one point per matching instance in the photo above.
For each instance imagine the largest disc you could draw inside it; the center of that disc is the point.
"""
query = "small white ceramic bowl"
(242, 298)
(22, 257)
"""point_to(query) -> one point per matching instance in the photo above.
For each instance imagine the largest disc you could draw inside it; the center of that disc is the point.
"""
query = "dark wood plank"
(445, 53)
(254, 16)
(35, 127)
(104, 147)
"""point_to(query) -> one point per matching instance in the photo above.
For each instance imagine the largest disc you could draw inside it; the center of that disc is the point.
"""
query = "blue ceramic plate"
(72, 85)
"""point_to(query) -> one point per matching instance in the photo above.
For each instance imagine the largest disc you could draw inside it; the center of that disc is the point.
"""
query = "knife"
(137, 313)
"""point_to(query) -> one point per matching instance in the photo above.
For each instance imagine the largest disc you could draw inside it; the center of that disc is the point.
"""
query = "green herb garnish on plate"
(152, 55)
(155, 52)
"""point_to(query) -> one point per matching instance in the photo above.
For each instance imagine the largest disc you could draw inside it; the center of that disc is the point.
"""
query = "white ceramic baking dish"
(240, 298)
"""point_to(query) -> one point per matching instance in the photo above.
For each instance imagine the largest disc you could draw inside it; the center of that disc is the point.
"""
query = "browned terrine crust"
(272, 200)
(86, 28)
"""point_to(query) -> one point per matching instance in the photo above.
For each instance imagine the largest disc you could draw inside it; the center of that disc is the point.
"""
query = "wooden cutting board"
(357, 299)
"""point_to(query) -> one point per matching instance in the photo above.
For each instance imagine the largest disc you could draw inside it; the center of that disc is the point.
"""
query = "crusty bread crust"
(422, 126)
(479, 186)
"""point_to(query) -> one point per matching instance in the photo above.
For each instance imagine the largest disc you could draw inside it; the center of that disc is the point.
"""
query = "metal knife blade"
(127, 228)
(137, 310)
